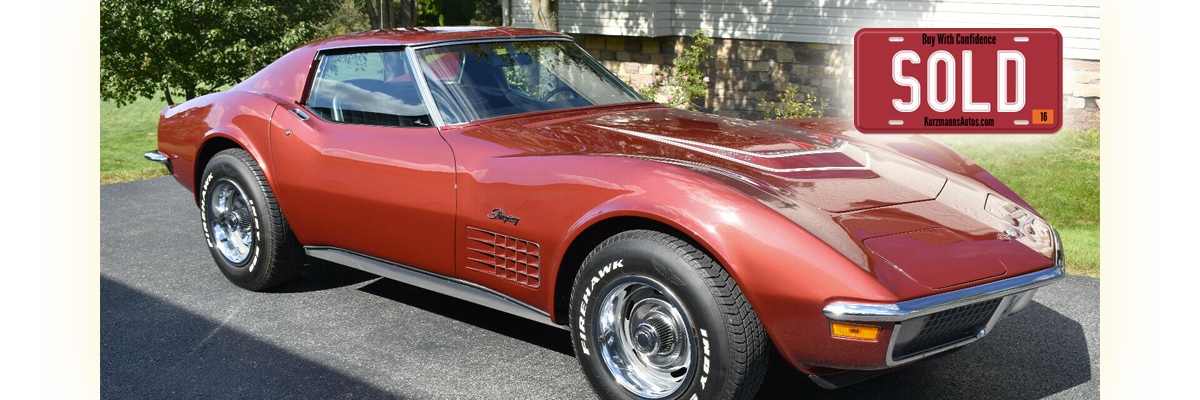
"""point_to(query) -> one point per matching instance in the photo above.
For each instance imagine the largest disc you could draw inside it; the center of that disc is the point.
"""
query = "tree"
(402, 12)
(488, 13)
(428, 12)
(544, 16)
(446, 12)
(194, 47)
(348, 17)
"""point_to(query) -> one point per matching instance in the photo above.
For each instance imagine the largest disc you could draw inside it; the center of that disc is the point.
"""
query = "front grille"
(948, 326)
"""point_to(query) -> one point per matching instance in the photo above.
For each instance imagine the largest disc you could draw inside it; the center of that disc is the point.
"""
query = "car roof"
(423, 35)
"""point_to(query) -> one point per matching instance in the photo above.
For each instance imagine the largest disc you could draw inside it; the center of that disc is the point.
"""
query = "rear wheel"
(653, 317)
(248, 236)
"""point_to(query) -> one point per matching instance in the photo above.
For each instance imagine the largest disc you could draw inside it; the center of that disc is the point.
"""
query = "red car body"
(840, 227)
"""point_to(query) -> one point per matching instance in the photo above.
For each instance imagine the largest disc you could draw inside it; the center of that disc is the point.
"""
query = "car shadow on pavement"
(1031, 355)
(318, 274)
(531, 332)
(152, 349)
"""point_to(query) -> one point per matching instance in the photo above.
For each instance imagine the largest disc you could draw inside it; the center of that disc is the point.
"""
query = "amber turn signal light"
(852, 331)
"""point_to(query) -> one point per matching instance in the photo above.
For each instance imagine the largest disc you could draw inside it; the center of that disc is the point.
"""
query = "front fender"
(786, 273)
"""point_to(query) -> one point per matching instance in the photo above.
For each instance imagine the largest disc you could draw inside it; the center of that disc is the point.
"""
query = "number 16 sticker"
(1043, 116)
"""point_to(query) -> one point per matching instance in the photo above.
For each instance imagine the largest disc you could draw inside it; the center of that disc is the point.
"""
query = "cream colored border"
(1132, 197)
(67, 200)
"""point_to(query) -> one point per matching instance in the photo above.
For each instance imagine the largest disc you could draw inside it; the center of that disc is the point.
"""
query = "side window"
(368, 88)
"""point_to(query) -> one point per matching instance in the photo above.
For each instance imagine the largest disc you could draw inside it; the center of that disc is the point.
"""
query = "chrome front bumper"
(1010, 295)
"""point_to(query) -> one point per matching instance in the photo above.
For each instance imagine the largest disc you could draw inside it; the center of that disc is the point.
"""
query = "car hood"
(834, 174)
(910, 211)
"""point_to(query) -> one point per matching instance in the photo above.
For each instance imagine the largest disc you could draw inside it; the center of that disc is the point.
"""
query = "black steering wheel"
(560, 89)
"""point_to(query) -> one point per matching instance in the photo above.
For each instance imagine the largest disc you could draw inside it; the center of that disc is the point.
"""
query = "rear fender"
(192, 132)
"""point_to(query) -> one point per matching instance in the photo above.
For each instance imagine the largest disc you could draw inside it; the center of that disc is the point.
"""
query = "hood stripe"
(703, 148)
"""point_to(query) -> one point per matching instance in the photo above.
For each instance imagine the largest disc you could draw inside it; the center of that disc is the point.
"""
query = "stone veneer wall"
(1081, 84)
(744, 73)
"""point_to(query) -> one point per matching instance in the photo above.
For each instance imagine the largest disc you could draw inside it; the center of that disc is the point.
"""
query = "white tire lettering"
(704, 371)
(257, 234)
(587, 294)
(204, 210)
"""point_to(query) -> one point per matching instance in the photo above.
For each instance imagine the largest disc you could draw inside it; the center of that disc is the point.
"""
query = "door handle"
(299, 114)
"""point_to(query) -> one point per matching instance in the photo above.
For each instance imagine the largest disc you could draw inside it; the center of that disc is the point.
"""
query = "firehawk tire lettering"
(716, 368)
(587, 295)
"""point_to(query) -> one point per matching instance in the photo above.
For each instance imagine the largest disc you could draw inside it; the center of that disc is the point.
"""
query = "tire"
(248, 236)
(667, 320)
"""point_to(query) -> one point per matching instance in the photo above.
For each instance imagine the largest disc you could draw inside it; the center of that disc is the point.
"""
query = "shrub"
(648, 91)
(687, 82)
(792, 107)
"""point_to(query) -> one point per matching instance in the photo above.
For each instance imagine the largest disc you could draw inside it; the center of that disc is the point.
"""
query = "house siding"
(761, 46)
(828, 21)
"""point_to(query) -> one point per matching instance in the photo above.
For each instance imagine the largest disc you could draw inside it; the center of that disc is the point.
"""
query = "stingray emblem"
(499, 214)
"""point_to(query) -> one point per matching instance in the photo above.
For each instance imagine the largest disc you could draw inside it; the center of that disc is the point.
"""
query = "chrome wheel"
(645, 337)
(231, 222)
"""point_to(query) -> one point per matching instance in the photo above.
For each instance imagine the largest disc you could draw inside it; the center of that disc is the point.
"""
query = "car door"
(360, 166)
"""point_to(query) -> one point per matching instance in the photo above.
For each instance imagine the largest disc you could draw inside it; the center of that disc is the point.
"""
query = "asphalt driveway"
(173, 327)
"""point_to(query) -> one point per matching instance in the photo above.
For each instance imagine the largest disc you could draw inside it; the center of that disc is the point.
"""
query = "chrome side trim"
(156, 157)
(449, 286)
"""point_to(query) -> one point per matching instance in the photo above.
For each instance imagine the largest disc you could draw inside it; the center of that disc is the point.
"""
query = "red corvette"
(508, 168)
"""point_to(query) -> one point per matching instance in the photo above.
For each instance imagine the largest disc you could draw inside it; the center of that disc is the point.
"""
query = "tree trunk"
(190, 92)
(368, 7)
(543, 16)
(414, 10)
(167, 93)
(385, 14)
(408, 13)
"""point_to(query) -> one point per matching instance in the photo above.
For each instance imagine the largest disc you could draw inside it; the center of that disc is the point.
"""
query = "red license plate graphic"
(958, 80)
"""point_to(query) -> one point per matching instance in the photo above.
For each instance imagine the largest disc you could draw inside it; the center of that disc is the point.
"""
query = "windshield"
(483, 80)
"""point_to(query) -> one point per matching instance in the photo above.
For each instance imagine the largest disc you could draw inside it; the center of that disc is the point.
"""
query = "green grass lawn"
(1059, 175)
(125, 134)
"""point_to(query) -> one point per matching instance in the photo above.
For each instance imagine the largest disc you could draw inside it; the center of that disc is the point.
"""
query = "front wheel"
(653, 317)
